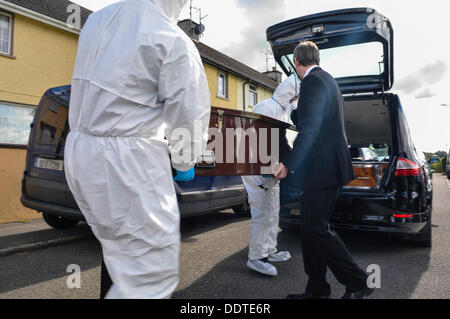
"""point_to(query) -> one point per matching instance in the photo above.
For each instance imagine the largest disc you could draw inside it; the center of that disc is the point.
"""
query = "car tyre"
(424, 239)
(242, 211)
(59, 222)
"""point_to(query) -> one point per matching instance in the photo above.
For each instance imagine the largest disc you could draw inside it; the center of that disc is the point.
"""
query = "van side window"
(51, 123)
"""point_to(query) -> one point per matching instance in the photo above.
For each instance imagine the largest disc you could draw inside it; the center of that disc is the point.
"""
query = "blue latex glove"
(185, 176)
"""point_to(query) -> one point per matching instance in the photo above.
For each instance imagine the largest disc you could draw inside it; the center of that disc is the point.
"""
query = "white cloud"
(429, 74)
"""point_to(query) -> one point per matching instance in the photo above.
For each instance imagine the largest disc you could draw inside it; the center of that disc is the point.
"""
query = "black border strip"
(13, 146)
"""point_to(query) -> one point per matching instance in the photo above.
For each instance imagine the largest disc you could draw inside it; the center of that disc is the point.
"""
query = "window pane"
(221, 85)
(4, 34)
(4, 21)
(253, 99)
(15, 123)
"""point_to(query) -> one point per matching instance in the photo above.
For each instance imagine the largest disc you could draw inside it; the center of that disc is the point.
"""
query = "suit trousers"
(105, 280)
(323, 248)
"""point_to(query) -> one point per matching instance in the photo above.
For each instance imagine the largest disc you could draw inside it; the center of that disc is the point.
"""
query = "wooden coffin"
(367, 175)
(241, 143)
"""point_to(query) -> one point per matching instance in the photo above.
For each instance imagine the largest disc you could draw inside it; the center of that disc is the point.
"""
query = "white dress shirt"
(309, 70)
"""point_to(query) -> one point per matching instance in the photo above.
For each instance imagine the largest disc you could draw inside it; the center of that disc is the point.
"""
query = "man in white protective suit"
(137, 80)
(264, 191)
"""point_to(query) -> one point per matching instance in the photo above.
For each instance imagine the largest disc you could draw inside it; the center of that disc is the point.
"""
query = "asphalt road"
(214, 254)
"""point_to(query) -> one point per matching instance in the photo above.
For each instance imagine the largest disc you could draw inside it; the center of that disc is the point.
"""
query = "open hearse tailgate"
(366, 33)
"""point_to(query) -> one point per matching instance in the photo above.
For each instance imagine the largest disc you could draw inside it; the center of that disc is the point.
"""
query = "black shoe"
(358, 294)
(306, 296)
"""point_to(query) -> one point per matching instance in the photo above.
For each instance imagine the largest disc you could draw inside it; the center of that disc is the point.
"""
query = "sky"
(421, 49)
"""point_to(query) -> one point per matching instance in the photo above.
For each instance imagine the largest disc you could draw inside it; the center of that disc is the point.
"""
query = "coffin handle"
(219, 124)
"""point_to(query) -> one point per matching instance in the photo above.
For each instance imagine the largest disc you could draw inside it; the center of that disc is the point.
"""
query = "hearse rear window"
(348, 61)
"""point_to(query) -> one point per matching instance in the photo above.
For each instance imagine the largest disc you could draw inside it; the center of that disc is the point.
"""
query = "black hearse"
(392, 192)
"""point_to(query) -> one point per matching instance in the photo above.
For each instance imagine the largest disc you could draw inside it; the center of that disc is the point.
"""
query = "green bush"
(440, 167)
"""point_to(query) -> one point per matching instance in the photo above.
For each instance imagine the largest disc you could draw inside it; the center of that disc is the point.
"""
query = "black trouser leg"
(105, 280)
(324, 248)
(315, 267)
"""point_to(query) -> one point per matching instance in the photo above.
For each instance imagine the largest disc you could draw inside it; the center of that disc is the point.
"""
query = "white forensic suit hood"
(172, 8)
(281, 104)
(287, 91)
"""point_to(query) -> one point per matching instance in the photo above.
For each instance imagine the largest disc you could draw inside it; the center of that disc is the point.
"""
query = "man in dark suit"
(320, 164)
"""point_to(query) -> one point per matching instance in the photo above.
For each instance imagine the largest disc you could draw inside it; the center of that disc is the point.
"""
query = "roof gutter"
(37, 16)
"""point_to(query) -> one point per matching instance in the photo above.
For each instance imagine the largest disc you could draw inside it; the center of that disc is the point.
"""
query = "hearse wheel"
(59, 222)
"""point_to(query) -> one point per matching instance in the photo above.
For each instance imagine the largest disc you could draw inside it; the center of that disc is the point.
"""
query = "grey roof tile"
(56, 9)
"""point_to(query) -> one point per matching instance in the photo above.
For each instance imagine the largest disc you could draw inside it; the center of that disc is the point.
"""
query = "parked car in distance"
(393, 190)
(434, 159)
(447, 167)
(44, 185)
(426, 164)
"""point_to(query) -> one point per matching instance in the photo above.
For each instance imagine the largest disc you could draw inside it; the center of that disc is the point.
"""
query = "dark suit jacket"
(320, 157)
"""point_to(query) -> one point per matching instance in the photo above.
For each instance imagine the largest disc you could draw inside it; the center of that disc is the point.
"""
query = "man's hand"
(281, 172)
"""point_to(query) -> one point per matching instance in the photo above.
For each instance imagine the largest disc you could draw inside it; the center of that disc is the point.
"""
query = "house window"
(5, 33)
(222, 85)
(253, 96)
(15, 123)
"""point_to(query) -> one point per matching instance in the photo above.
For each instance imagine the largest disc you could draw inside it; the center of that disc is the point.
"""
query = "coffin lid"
(337, 29)
(252, 116)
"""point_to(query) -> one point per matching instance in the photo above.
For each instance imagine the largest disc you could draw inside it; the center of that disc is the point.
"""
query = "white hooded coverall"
(264, 192)
(136, 75)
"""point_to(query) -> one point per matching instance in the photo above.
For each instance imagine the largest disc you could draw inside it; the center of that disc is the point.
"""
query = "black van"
(357, 48)
(44, 185)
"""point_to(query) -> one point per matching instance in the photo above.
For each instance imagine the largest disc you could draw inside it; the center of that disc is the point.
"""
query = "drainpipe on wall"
(243, 93)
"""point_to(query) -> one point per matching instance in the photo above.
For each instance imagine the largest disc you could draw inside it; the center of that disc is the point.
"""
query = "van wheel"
(59, 222)
(424, 239)
(242, 211)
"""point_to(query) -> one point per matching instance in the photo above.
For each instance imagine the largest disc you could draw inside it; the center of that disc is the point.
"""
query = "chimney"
(274, 75)
(192, 29)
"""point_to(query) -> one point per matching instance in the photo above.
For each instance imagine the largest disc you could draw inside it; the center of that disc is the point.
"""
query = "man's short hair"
(307, 53)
